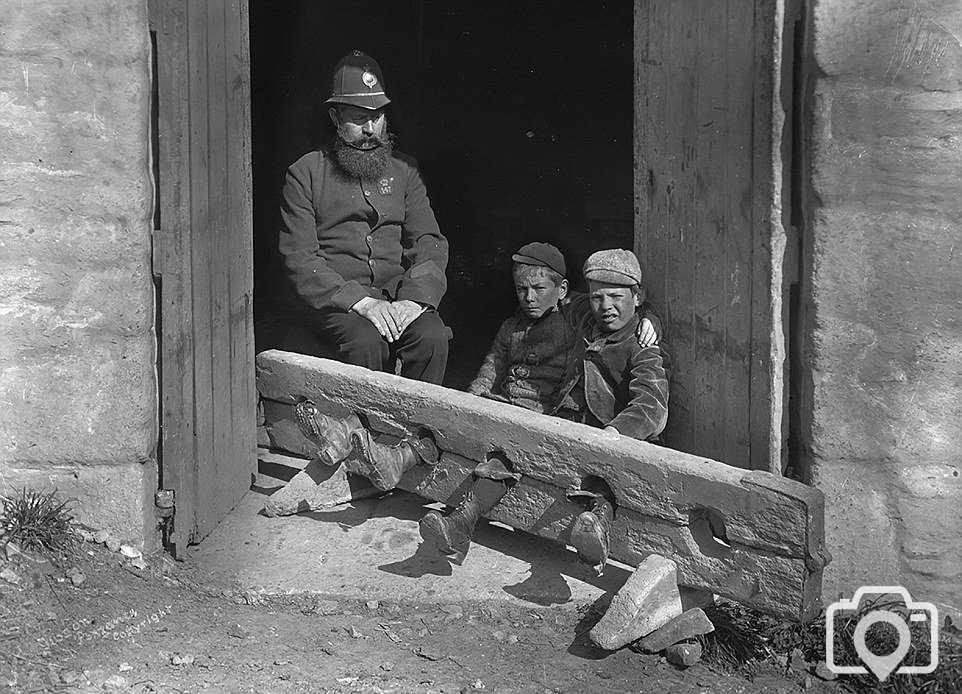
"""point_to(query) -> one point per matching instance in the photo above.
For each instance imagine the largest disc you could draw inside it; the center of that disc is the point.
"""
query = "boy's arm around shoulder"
(647, 311)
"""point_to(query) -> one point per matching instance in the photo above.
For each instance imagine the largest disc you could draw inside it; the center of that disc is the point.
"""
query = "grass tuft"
(744, 639)
(37, 520)
(740, 639)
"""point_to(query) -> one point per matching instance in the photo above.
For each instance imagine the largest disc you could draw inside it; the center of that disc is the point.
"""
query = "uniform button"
(369, 238)
(367, 193)
(371, 263)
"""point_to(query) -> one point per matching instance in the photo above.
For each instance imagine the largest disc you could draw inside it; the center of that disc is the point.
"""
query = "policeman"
(359, 241)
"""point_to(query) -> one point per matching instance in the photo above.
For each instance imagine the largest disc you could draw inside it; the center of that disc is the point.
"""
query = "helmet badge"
(369, 80)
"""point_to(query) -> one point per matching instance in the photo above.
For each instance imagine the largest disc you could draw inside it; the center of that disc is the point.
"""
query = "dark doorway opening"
(519, 113)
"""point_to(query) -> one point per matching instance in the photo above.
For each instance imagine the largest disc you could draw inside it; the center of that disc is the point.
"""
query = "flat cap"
(614, 266)
(543, 254)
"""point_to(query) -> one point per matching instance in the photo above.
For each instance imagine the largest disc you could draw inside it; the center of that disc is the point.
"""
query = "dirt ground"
(98, 623)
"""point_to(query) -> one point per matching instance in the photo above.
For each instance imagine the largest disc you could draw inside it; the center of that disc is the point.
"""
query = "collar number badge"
(384, 186)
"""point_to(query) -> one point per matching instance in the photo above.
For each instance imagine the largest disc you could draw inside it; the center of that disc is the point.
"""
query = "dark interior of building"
(519, 114)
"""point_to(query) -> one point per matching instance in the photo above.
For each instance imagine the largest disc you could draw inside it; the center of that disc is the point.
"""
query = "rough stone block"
(684, 654)
(885, 328)
(695, 597)
(115, 499)
(687, 625)
(88, 400)
(78, 354)
(648, 600)
(318, 487)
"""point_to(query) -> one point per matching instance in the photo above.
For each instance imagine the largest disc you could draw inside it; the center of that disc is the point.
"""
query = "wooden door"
(707, 225)
(204, 258)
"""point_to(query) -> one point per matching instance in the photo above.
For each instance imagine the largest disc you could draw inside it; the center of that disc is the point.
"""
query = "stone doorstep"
(649, 608)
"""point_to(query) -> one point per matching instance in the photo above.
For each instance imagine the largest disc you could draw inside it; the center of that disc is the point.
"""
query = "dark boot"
(384, 464)
(452, 534)
(331, 435)
(591, 532)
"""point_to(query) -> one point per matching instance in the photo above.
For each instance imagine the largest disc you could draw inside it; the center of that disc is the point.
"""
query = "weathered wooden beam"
(748, 535)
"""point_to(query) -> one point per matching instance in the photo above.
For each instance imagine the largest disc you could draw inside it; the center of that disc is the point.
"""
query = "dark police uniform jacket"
(343, 239)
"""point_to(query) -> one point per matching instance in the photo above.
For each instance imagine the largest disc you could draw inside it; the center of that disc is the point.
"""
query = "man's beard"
(366, 164)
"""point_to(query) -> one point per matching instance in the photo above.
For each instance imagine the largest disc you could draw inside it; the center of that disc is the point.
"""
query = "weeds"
(37, 520)
(744, 639)
(740, 638)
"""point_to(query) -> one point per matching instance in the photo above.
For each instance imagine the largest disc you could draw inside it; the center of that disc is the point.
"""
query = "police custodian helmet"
(358, 81)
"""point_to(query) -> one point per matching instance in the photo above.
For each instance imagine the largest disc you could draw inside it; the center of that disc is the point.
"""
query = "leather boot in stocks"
(591, 531)
(384, 464)
(452, 534)
(331, 435)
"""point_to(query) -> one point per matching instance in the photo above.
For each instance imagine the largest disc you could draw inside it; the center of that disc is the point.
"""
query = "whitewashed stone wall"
(885, 239)
(78, 399)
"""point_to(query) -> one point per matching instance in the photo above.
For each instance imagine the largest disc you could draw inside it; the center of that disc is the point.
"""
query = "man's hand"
(646, 334)
(382, 316)
(405, 312)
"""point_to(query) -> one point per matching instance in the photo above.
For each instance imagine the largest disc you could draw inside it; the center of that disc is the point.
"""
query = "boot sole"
(434, 532)
(587, 537)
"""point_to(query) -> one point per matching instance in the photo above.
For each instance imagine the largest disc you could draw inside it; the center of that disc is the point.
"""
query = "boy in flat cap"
(596, 390)
(614, 382)
(533, 355)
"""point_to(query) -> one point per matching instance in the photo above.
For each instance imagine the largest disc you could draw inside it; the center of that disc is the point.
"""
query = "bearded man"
(359, 241)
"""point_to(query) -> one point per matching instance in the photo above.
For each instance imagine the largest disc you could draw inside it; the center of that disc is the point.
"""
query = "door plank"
(218, 246)
(651, 119)
(243, 398)
(740, 286)
(707, 176)
(176, 353)
(711, 410)
(641, 124)
(680, 144)
(200, 251)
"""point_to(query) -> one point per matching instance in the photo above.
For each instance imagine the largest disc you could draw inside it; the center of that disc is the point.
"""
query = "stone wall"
(77, 365)
(884, 240)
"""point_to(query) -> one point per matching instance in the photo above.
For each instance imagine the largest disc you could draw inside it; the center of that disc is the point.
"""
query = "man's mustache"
(364, 142)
